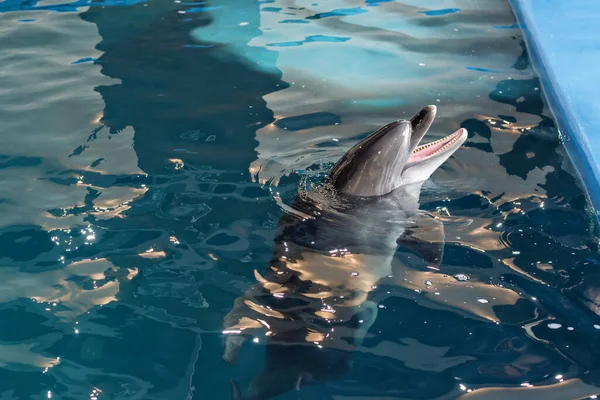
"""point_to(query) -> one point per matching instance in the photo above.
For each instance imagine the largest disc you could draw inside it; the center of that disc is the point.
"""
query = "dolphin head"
(392, 157)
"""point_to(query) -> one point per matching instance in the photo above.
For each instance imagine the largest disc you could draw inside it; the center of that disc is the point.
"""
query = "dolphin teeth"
(449, 141)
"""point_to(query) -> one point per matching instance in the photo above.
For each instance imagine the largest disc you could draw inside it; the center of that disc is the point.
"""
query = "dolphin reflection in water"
(311, 307)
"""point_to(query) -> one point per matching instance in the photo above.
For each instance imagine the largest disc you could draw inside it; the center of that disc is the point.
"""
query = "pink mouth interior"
(430, 149)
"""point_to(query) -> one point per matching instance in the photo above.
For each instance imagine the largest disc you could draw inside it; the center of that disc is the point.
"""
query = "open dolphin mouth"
(438, 147)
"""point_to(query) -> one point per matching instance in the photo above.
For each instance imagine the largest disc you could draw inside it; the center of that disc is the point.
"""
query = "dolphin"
(311, 306)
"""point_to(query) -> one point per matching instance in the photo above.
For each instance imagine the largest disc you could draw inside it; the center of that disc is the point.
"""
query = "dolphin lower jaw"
(426, 159)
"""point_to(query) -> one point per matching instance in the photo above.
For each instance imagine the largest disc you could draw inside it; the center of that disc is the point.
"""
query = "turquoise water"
(146, 149)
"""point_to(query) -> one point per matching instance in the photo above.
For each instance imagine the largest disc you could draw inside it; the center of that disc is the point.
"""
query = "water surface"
(142, 147)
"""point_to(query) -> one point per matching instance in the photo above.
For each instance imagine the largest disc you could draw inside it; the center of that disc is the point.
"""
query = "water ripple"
(150, 149)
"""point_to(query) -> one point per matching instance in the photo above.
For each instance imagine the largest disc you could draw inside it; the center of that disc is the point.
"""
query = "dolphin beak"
(420, 124)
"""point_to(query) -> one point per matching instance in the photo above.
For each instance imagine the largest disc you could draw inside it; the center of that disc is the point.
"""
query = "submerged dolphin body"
(311, 306)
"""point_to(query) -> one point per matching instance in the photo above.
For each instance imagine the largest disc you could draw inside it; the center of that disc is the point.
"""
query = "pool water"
(147, 149)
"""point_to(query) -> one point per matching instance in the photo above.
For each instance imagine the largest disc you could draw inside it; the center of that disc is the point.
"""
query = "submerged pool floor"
(148, 150)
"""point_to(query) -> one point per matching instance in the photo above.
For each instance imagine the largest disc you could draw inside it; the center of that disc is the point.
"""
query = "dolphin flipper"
(425, 238)
(236, 393)
(233, 345)
(368, 314)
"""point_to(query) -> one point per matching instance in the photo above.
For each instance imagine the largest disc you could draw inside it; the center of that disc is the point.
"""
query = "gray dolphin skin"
(311, 308)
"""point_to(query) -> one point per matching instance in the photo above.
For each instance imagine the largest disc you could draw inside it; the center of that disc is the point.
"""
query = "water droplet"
(354, 274)
(554, 325)
(461, 277)
(483, 301)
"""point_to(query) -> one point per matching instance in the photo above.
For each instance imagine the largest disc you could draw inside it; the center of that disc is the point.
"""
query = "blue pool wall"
(563, 40)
